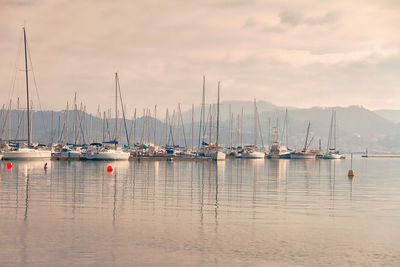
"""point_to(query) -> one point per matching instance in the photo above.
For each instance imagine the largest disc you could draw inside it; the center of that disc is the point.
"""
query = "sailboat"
(277, 149)
(27, 152)
(250, 152)
(304, 154)
(215, 151)
(69, 151)
(102, 151)
(331, 152)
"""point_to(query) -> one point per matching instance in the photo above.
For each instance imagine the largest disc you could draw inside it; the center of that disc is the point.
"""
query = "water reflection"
(241, 209)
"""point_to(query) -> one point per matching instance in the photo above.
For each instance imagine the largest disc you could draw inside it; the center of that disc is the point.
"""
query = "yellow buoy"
(350, 174)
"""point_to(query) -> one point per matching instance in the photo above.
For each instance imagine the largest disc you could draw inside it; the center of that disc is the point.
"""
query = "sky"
(300, 53)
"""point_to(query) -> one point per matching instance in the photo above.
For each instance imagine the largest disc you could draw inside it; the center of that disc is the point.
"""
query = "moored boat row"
(209, 148)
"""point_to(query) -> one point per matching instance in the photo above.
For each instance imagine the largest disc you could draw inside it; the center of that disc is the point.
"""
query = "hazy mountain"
(357, 128)
(389, 114)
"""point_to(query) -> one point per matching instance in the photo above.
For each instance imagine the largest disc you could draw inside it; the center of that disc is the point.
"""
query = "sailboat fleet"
(108, 147)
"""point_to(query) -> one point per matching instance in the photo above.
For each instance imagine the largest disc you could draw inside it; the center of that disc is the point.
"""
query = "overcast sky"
(299, 53)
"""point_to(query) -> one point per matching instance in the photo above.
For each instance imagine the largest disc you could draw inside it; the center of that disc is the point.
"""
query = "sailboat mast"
(238, 131)
(116, 109)
(203, 110)
(17, 135)
(329, 145)
(255, 123)
(334, 131)
(155, 125)
(241, 130)
(308, 131)
(166, 127)
(27, 91)
(286, 129)
(66, 134)
(216, 142)
(51, 127)
(134, 129)
(10, 121)
(192, 124)
(75, 127)
(230, 127)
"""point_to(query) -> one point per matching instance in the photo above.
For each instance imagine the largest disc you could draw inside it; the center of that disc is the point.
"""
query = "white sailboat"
(332, 153)
(27, 152)
(215, 151)
(250, 152)
(278, 150)
(104, 152)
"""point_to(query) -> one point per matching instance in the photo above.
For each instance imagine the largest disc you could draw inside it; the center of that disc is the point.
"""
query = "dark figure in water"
(45, 166)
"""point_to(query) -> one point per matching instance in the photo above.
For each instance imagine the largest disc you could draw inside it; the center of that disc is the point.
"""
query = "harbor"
(77, 142)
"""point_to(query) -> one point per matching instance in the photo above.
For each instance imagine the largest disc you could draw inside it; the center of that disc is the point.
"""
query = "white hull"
(215, 155)
(253, 155)
(107, 155)
(1, 156)
(302, 156)
(332, 156)
(27, 154)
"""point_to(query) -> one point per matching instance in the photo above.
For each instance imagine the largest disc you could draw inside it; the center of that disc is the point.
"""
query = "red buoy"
(109, 168)
(9, 165)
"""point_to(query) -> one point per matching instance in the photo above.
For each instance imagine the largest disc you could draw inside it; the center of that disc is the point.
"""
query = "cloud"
(17, 3)
(294, 18)
(288, 53)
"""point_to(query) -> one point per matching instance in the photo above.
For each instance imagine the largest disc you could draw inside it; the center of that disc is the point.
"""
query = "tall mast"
(241, 130)
(286, 129)
(123, 108)
(75, 120)
(116, 109)
(329, 145)
(27, 91)
(183, 127)
(155, 125)
(134, 130)
(202, 114)
(166, 128)
(238, 131)
(104, 126)
(334, 131)
(17, 136)
(255, 123)
(98, 126)
(308, 131)
(59, 128)
(216, 142)
(66, 134)
(211, 123)
(230, 127)
(179, 124)
(9, 121)
(51, 127)
(269, 132)
(192, 125)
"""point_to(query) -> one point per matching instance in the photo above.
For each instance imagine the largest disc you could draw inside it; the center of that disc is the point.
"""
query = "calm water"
(254, 212)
